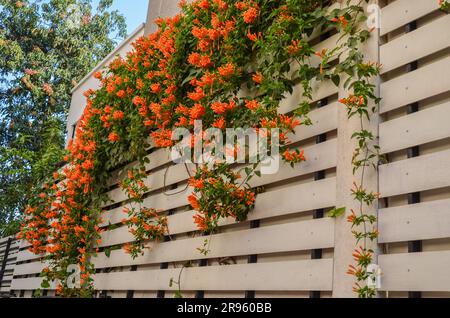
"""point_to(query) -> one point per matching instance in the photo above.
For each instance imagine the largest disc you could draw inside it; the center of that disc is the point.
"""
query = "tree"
(46, 46)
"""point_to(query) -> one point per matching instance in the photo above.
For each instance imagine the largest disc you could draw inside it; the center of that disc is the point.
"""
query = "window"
(74, 130)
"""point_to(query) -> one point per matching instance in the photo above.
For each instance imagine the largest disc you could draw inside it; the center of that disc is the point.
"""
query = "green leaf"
(336, 79)
(336, 212)
(45, 284)
(177, 294)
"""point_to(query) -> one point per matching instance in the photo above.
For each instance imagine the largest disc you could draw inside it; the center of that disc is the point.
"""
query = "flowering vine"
(194, 67)
(365, 155)
(144, 223)
(444, 5)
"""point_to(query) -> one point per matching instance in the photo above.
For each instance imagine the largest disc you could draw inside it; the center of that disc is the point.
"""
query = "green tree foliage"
(46, 46)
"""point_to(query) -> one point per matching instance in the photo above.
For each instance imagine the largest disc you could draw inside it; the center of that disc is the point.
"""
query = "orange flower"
(201, 222)
(198, 184)
(79, 229)
(88, 165)
(127, 248)
(252, 36)
(219, 123)
(113, 137)
(342, 20)
(219, 108)
(207, 80)
(121, 93)
(110, 87)
(198, 60)
(352, 217)
(98, 75)
(138, 101)
(156, 88)
(59, 289)
(118, 115)
(295, 47)
(362, 255)
(251, 104)
(193, 201)
(294, 156)
(354, 271)
(257, 78)
(197, 95)
(162, 138)
(197, 111)
(194, 58)
(227, 70)
(322, 53)
(250, 15)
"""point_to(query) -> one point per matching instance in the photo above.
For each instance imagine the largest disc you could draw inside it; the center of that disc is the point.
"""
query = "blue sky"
(135, 11)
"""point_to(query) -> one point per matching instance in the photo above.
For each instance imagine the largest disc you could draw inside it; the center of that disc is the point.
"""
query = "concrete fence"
(288, 247)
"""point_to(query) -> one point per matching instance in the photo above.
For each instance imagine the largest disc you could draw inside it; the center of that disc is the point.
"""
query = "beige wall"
(160, 8)
(89, 82)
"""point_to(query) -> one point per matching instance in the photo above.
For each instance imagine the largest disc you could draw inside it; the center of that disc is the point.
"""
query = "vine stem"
(362, 184)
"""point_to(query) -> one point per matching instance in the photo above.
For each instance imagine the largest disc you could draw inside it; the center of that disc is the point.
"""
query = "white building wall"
(160, 8)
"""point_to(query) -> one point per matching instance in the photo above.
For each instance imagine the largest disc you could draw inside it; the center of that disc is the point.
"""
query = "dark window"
(74, 130)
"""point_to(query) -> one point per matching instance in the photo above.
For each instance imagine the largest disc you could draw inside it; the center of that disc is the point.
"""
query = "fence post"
(5, 260)
(345, 243)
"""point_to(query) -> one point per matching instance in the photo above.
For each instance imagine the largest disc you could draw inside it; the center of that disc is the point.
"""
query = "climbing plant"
(197, 66)
(444, 5)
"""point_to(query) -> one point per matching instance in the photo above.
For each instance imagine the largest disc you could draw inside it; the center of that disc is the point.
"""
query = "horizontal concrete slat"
(291, 275)
(412, 87)
(415, 129)
(402, 12)
(31, 283)
(302, 235)
(415, 45)
(422, 221)
(427, 271)
(320, 90)
(416, 174)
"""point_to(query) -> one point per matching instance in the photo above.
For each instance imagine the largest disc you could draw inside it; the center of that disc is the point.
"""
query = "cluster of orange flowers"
(353, 101)
(133, 184)
(219, 193)
(293, 156)
(341, 20)
(58, 223)
(145, 225)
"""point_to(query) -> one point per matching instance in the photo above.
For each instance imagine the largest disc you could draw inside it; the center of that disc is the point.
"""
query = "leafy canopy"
(46, 46)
